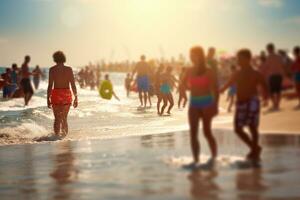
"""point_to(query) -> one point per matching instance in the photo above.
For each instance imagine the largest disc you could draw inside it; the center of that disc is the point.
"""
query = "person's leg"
(279, 87)
(149, 99)
(64, 123)
(159, 99)
(29, 97)
(273, 100)
(127, 90)
(145, 98)
(298, 92)
(57, 111)
(179, 100)
(231, 98)
(185, 99)
(209, 136)
(141, 97)
(194, 116)
(26, 98)
(243, 136)
(165, 103)
(171, 102)
(272, 92)
(256, 149)
(37, 84)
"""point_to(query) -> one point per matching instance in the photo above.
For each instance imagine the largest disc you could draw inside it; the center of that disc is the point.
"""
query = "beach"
(114, 151)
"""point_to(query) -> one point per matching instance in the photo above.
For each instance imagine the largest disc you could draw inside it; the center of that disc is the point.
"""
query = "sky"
(114, 30)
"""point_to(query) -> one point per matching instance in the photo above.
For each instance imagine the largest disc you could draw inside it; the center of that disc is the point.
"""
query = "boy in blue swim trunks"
(247, 112)
(296, 72)
(142, 69)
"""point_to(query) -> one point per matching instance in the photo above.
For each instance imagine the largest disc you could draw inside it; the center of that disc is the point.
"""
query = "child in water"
(167, 83)
(247, 111)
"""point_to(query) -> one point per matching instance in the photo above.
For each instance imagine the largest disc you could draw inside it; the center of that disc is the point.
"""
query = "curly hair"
(59, 57)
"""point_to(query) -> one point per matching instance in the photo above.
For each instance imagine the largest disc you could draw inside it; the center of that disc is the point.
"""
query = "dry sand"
(285, 121)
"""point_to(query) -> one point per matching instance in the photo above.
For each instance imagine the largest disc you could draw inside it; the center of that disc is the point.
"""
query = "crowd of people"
(16, 82)
(248, 78)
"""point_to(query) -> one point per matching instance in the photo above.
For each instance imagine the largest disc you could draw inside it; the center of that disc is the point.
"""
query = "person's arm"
(215, 86)
(264, 86)
(134, 71)
(230, 82)
(184, 80)
(50, 86)
(114, 94)
(74, 89)
(41, 74)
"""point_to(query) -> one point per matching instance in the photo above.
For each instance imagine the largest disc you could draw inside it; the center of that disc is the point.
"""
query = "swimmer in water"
(204, 99)
(247, 81)
(59, 95)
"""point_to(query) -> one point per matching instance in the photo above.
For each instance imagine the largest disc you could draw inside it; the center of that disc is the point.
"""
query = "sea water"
(94, 118)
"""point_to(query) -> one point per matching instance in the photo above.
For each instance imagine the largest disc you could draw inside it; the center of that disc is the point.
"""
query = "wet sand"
(148, 167)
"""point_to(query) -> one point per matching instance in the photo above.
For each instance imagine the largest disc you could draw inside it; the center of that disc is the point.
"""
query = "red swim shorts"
(61, 97)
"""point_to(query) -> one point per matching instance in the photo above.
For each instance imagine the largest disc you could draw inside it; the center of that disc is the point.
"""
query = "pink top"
(202, 82)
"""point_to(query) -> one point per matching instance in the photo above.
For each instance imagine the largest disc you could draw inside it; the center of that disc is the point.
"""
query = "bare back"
(62, 76)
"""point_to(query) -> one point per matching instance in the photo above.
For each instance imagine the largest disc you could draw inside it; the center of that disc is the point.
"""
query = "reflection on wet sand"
(203, 185)
(64, 172)
(148, 167)
(165, 140)
(250, 184)
(27, 185)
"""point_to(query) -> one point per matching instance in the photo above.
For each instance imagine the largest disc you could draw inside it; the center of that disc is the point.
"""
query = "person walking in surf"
(142, 70)
(296, 72)
(167, 83)
(157, 84)
(25, 81)
(273, 68)
(37, 74)
(59, 95)
(202, 83)
(247, 81)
